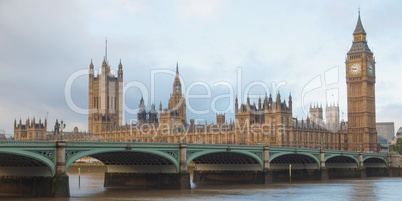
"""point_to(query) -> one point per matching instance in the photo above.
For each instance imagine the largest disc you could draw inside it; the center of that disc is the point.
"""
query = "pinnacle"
(359, 27)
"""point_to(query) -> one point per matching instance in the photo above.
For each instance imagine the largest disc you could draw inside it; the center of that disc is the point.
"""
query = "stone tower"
(220, 119)
(316, 114)
(177, 103)
(31, 130)
(142, 113)
(105, 98)
(332, 117)
(360, 80)
(174, 117)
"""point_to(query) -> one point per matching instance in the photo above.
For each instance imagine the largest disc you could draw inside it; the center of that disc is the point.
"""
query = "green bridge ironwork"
(175, 154)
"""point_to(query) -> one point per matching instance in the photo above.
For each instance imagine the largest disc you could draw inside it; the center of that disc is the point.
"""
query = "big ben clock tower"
(360, 80)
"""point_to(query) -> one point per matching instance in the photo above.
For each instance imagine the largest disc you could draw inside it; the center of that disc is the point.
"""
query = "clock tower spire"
(360, 80)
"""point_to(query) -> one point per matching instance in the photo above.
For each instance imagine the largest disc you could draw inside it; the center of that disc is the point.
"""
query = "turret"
(142, 114)
(91, 69)
(290, 101)
(278, 101)
(177, 84)
(120, 71)
(266, 105)
(270, 99)
(105, 67)
(248, 103)
(236, 105)
(220, 119)
(152, 115)
(284, 105)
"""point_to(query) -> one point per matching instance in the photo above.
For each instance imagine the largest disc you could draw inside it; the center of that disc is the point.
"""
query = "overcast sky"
(298, 47)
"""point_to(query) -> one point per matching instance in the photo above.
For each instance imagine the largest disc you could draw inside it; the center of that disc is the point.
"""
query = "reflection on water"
(91, 188)
(353, 189)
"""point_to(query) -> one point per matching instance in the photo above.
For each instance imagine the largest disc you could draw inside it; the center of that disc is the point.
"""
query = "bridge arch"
(299, 160)
(226, 160)
(341, 161)
(374, 162)
(145, 157)
(36, 160)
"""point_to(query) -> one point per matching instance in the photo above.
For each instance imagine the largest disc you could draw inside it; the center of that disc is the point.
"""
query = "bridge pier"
(150, 179)
(60, 183)
(184, 175)
(362, 169)
(392, 170)
(323, 169)
(36, 182)
(267, 171)
(26, 186)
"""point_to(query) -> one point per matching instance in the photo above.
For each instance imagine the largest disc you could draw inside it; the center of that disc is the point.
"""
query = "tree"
(397, 147)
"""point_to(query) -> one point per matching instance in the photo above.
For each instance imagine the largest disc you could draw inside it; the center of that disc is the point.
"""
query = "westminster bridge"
(38, 168)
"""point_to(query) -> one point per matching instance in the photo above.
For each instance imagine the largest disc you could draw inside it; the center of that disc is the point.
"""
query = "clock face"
(355, 69)
(370, 69)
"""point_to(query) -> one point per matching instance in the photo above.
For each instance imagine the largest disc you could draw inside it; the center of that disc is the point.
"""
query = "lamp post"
(61, 126)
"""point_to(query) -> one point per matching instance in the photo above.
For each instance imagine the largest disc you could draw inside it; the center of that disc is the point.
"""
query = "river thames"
(91, 188)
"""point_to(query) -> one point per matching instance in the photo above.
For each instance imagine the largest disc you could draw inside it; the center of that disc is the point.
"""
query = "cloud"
(42, 44)
(199, 8)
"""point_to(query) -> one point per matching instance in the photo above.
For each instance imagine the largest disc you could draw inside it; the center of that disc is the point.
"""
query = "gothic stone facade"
(105, 98)
(270, 122)
(31, 130)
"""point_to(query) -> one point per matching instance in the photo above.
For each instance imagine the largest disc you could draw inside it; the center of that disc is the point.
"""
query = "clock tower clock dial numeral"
(355, 69)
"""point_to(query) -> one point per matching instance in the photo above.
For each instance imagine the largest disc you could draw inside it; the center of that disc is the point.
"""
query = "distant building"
(331, 113)
(385, 130)
(382, 141)
(31, 130)
(316, 114)
(332, 117)
(398, 135)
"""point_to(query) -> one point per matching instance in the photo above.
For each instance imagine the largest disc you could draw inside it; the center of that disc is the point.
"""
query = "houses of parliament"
(268, 122)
